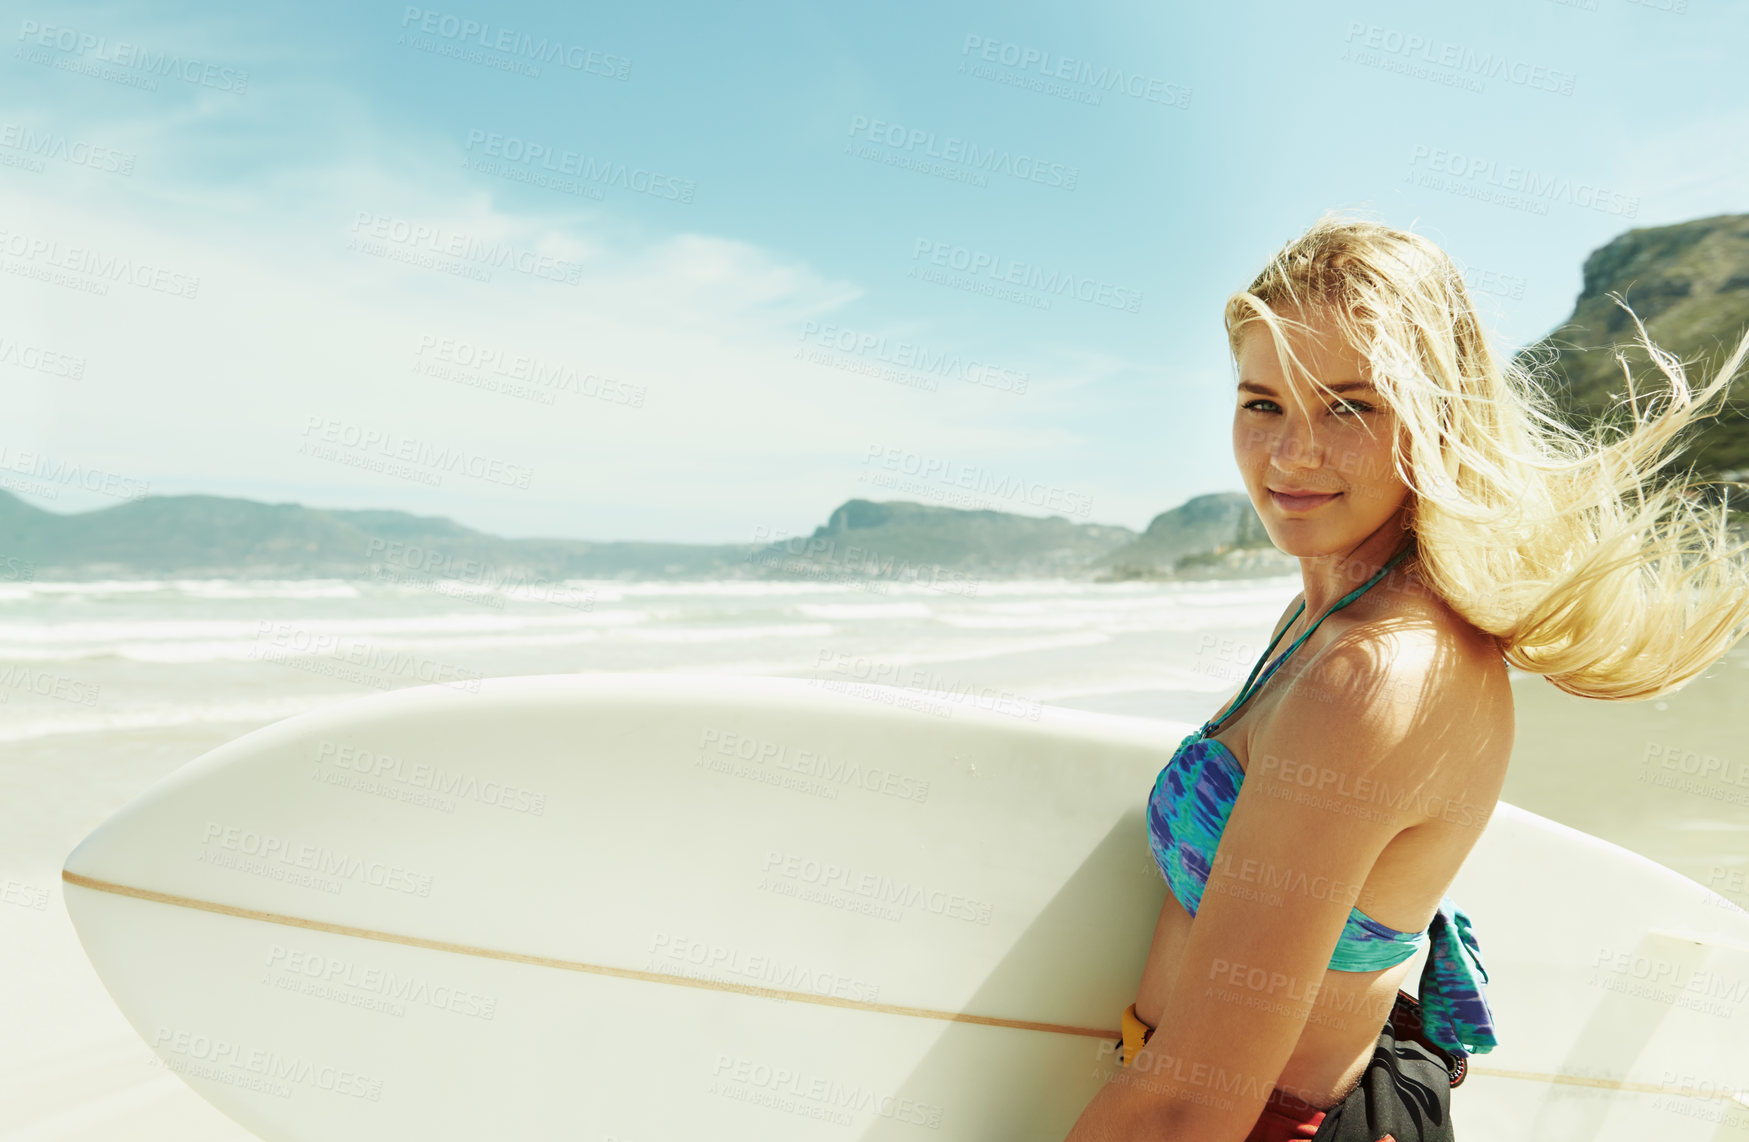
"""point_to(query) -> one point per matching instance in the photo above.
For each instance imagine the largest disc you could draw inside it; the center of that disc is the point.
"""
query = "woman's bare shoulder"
(1445, 672)
(1472, 655)
(1463, 687)
(1422, 618)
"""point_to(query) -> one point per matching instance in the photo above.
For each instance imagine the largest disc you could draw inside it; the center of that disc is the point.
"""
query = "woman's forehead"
(1326, 352)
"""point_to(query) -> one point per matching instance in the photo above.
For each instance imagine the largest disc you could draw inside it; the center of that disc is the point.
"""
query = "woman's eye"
(1352, 406)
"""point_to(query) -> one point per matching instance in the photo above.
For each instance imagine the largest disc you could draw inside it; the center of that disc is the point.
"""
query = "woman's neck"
(1327, 578)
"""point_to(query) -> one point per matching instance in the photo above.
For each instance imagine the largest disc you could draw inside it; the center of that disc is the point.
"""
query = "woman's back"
(1425, 666)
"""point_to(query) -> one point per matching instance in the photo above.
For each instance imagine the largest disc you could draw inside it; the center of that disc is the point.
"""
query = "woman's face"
(1318, 478)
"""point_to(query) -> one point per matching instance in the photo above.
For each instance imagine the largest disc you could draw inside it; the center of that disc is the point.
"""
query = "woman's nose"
(1295, 443)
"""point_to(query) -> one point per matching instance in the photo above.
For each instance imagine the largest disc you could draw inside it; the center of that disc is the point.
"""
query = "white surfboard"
(639, 907)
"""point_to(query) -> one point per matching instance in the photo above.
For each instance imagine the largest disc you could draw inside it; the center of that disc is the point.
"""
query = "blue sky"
(730, 265)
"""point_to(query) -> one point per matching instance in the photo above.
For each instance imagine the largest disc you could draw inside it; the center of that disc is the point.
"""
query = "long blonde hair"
(1558, 544)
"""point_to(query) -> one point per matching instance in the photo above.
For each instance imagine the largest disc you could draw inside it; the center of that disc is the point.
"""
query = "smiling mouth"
(1303, 501)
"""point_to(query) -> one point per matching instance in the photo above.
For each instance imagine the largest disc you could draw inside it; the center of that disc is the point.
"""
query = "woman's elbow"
(1122, 1113)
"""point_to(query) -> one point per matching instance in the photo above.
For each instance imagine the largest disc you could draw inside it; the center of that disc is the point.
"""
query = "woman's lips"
(1300, 503)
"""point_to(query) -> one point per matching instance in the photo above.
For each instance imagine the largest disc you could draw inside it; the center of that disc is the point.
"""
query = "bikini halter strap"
(1249, 689)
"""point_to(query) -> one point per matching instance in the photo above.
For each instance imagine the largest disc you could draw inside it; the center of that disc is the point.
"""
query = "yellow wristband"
(1135, 1033)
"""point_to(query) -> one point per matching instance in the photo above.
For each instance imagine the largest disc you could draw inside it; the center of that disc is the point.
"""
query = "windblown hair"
(1560, 545)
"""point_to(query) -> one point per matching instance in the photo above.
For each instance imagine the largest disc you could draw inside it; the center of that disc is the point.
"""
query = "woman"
(1446, 524)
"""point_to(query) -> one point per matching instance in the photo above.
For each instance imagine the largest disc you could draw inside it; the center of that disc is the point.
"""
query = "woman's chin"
(1302, 547)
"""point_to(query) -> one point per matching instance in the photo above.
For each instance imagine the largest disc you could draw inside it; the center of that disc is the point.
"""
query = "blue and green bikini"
(1188, 810)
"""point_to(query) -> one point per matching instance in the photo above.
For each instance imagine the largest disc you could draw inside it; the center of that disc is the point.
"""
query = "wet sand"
(1667, 778)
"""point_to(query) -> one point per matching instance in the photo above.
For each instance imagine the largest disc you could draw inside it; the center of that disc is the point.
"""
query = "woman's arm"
(1312, 817)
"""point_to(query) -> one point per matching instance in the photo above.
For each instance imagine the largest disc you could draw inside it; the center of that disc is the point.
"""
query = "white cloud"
(289, 324)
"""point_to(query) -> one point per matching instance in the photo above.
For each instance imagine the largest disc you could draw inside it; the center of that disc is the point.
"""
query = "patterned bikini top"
(1188, 810)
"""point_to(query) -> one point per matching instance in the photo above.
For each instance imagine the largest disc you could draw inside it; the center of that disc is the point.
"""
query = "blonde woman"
(1447, 524)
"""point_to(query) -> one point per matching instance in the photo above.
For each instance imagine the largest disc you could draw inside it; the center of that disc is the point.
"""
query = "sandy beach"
(1665, 778)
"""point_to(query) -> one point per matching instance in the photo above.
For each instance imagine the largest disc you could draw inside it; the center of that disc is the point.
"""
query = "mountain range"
(203, 536)
(1688, 282)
